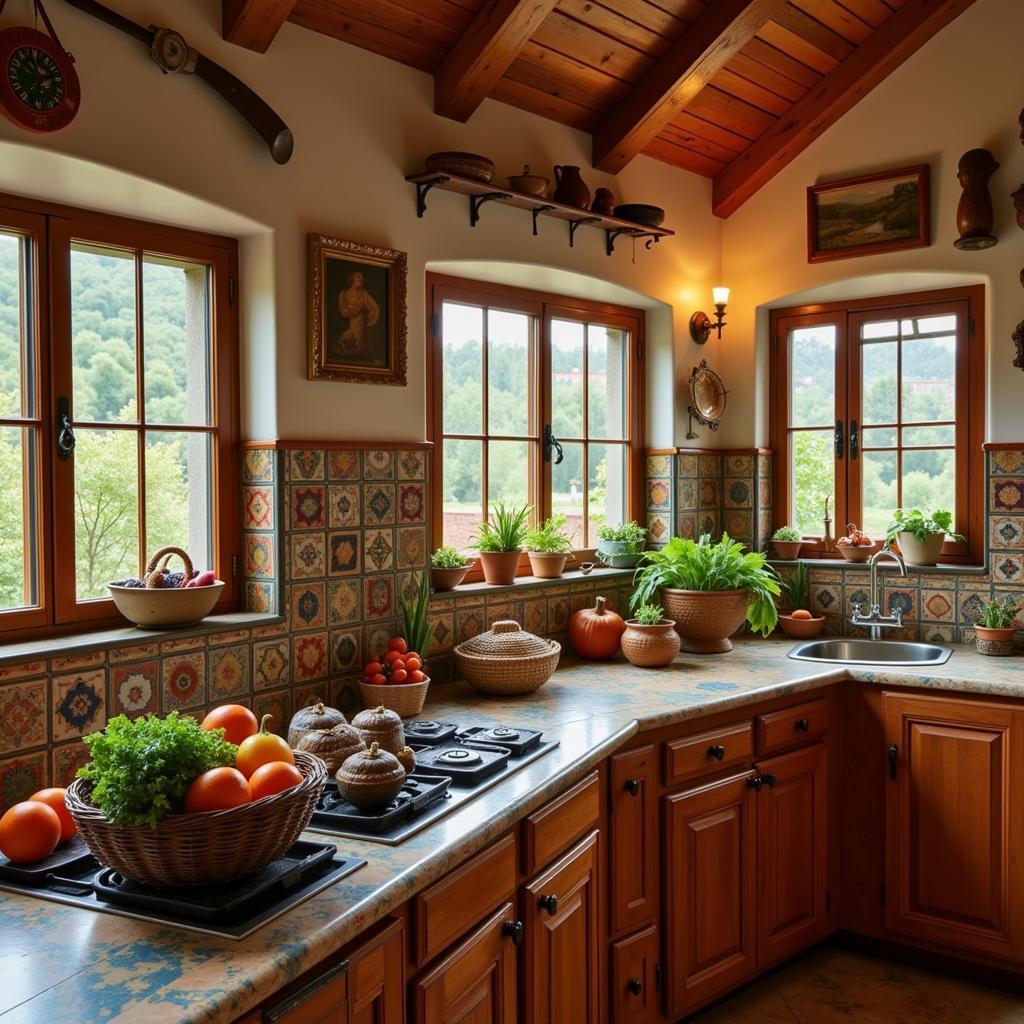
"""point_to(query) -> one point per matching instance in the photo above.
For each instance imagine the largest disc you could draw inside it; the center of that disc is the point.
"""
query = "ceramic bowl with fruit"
(801, 624)
(795, 591)
(856, 546)
(161, 599)
(396, 680)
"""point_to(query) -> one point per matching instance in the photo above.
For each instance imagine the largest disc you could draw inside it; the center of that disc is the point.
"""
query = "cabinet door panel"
(792, 826)
(955, 823)
(634, 962)
(376, 980)
(633, 853)
(710, 860)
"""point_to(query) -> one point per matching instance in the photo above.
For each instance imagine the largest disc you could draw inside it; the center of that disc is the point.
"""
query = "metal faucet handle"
(855, 607)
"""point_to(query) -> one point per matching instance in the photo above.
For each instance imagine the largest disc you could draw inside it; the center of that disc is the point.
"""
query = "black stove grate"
(464, 762)
(417, 795)
(517, 740)
(429, 732)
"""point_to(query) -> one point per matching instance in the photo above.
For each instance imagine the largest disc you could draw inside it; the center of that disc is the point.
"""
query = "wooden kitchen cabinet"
(954, 810)
(561, 915)
(376, 982)
(633, 844)
(634, 978)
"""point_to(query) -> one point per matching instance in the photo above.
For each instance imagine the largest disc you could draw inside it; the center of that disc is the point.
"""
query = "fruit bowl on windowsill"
(162, 599)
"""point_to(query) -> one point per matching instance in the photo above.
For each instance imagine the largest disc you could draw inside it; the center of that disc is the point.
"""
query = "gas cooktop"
(453, 765)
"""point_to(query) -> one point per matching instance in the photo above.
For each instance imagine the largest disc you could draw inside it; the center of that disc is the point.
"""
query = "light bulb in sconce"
(701, 324)
(720, 296)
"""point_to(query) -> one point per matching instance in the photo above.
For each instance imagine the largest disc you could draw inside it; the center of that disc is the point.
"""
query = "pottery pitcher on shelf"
(570, 188)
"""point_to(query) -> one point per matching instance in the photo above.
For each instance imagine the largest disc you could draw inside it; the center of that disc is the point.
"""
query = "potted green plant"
(548, 546)
(650, 640)
(448, 568)
(500, 540)
(708, 589)
(787, 541)
(795, 591)
(995, 628)
(620, 547)
(920, 536)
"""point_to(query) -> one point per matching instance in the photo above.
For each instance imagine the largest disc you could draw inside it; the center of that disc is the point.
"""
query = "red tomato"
(391, 657)
(29, 831)
(398, 665)
(372, 668)
(238, 722)
(417, 676)
(379, 679)
(261, 749)
(398, 644)
(412, 663)
(412, 654)
(399, 676)
(273, 777)
(54, 799)
(217, 790)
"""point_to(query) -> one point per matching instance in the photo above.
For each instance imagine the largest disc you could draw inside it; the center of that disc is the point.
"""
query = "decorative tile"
(970, 607)
(270, 630)
(343, 505)
(740, 525)
(764, 493)
(1006, 531)
(378, 597)
(279, 706)
(686, 525)
(259, 597)
(378, 550)
(306, 507)
(738, 494)
(376, 636)
(258, 465)
(686, 465)
(343, 559)
(658, 465)
(75, 662)
(938, 605)
(686, 493)
(739, 465)
(305, 464)
(185, 643)
(764, 466)
(709, 465)
(22, 715)
(1007, 463)
(903, 598)
(259, 508)
(407, 585)
(825, 598)
(933, 633)
(859, 596)
(411, 547)
(312, 693)
(379, 504)
(135, 689)
(659, 494)
(658, 529)
(79, 704)
(502, 611)
(412, 465)
(468, 624)
(412, 503)
(345, 651)
(259, 555)
(307, 605)
(535, 616)
(271, 664)
(307, 556)
(444, 632)
(67, 759)
(1007, 567)
(22, 670)
(343, 465)
(559, 613)
(227, 670)
(708, 494)
(20, 777)
(707, 522)
(309, 656)
(183, 682)
(1006, 494)
(345, 695)
(233, 636)
(342, 601)
(378, 465)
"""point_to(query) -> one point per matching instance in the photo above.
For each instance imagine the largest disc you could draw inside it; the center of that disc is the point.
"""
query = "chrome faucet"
(875, 620)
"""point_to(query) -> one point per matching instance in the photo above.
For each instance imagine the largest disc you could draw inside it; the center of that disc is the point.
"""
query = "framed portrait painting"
(872, 214)
(357, 327)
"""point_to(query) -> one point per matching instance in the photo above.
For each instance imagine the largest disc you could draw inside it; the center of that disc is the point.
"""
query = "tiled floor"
(835, 986)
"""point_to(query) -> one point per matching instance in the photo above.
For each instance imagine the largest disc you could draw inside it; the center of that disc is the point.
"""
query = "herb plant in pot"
(500, 540)
(920, 536)
(708, 590)
(548, 546)
(995, 628)
(650, 640)
(800, 623)
(448, 568)
(786, 541)
(620, 547)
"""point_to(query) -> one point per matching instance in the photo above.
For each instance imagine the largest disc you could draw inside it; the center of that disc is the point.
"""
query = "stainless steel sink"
(871, 652)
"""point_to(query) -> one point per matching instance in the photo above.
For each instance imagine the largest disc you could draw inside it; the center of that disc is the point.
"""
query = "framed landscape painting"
(357, 328)
(868, 215)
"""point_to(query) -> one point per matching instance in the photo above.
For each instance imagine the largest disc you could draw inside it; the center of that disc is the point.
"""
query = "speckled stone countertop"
(64, 965)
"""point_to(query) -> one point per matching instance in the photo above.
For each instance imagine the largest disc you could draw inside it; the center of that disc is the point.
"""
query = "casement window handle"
(839, 439)
(66, 440)
(854, 439)
(552, 445)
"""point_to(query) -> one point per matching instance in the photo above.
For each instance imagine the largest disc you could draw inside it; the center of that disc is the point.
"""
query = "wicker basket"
(705, 619)
(205, 848)
(405, 699)
(506, 660)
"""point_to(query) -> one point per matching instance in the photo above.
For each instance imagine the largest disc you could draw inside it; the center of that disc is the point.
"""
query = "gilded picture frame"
(357, 312)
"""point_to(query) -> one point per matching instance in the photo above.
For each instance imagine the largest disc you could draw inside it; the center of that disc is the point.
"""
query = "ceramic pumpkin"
(595, 632)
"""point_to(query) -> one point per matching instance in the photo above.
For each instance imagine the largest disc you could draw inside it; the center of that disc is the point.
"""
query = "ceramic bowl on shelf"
(801, 629)
(466, 165)
(529, 184)
(641, 213)
(858, 552)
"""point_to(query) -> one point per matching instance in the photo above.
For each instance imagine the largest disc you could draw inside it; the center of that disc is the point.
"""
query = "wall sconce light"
(701, 324)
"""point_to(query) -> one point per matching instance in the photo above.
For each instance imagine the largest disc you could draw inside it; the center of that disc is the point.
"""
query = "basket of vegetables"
(170, 802)
(162, 598)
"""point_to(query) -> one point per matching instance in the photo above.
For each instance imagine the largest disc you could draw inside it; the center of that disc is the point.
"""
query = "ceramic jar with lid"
(370, 779)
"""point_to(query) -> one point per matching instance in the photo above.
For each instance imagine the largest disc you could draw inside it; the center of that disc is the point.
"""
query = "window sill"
(533, 583)
(921, 570)
(85, 643)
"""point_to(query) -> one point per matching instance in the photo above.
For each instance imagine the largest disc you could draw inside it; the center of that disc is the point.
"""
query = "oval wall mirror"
(707, 395)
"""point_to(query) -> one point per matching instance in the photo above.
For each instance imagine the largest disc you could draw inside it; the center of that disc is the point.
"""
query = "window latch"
(65, 432)
(854, 439)
(839, 442)
(552, 444)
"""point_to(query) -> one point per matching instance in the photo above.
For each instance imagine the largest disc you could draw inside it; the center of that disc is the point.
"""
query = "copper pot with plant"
(650, 640)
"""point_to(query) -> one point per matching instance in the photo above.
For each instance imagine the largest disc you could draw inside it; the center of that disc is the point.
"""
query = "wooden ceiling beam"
(484, 53)
(254, 23)
(705, 47)
(826, 102)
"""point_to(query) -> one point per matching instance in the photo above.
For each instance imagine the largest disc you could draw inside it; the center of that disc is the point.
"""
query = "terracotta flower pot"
(547, 566)
(997, 643)
(917, 552)
(448, 579)
(705, 619)
(787, 550)
(801, 629)
(499, 567)
(651, 646)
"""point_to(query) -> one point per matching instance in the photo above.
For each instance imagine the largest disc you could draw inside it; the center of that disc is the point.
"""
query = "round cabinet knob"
(514, 930)
(550, 904)
(717, 752)
(633, 787)
(634, 986)
(802, 725)
(768, 778)
(754, 781)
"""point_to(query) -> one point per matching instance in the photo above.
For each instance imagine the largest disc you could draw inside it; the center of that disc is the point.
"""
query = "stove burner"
(425, 727)
(499, 732)
(459, 756)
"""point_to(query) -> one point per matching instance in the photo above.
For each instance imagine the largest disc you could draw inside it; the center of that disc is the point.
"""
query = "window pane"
(509, 471)
(812, 376)
(567, 490)
(106, 509)
(878, 382)
(567, 378)
(463, 501)
(880, 329)
(15, 401)
(462, 328)
(179, 502)
(103, 333)
(936, 324)
(812, 478)
(607, 381)
(878, 471)
(17, 518)
(916, 436)
(176, 341)
(929, 380)
(508, 372)
(878, 437)
(606, 479)
(929, 480)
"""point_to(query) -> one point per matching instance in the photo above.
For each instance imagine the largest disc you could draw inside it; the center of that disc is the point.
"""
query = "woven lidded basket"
(507, 660)
(204, 848)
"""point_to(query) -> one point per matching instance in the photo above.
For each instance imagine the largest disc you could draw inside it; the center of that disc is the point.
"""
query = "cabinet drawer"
(634, 986)
(555, 827)
(792, 727)
(460, 900)
(320, 1001)
(725, 747)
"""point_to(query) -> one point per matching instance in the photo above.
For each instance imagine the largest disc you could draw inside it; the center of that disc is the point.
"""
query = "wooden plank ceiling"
(729, 89)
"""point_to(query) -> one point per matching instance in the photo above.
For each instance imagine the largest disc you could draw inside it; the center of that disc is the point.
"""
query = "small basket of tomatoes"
(396, 680)
(855, 545)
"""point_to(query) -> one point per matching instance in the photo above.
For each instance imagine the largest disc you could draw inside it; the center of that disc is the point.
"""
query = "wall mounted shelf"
(480, 192)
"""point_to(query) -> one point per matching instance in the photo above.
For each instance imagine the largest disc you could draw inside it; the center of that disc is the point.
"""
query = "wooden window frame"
(544, 306)
(52, 226)
(970, 410)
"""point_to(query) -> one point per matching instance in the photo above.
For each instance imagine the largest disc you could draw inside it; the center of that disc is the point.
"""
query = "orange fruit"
(417, 676)
(29, 831)
(398, 644)
(399, 675)
(801, 613)
(238, 722)
(217, 790)
(392, 656)
(273, 777)
(412, 663)
(412, 654)
(261, 749)
(54, 799)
